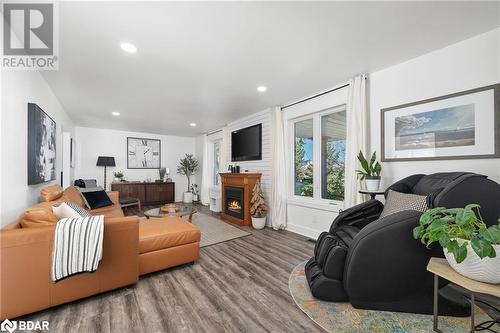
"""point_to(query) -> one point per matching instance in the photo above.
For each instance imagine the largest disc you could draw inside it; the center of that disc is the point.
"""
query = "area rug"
(342, 317)
(215, 231)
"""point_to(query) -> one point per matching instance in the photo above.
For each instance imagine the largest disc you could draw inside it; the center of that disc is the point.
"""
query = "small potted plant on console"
(118, 176)
(258, 208)
(187, 167)
(161, 172)
(371, 171)
(470, 246)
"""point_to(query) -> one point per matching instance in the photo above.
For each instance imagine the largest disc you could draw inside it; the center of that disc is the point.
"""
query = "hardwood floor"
(236, 286)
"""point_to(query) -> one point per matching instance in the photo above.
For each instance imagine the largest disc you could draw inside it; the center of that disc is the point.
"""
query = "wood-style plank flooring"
(236, 286)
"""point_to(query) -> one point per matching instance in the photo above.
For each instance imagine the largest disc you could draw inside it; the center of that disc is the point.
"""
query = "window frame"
(316, 199)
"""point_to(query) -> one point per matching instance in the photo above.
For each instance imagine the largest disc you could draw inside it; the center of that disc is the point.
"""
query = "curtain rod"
(314, 96)
(217, 131)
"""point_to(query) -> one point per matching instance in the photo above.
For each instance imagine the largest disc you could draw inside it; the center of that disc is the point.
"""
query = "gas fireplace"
(236, 193)
(234, 201)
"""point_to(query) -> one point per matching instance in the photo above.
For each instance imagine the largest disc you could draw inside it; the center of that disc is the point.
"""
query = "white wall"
(472, 63)
(94, 142)
(18, 89)
(264, 165)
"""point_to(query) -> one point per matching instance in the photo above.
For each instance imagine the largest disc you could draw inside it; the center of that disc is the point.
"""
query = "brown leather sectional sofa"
(132, 247)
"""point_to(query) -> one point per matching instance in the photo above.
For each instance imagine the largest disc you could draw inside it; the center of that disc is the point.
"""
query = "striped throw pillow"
(69, 210)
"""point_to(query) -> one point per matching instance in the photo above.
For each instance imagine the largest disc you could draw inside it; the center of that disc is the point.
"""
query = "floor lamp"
(105, 161)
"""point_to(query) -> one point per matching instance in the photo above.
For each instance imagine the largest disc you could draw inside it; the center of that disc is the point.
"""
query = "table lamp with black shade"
(105, 161)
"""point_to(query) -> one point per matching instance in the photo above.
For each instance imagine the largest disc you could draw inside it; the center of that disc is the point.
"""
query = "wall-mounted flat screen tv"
(246, 144)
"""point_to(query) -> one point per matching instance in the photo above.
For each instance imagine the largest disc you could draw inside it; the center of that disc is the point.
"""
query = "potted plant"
(469, 245)
(118, 176)
(370, 172)
(187, 167)
(258, 208)
(162, 172)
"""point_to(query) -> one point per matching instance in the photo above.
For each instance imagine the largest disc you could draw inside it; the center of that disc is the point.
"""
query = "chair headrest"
(436, 182)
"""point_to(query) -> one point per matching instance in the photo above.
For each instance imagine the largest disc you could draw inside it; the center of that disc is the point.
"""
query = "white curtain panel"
(278, 181)
(223, 150)
(357, 137)
(205, 175)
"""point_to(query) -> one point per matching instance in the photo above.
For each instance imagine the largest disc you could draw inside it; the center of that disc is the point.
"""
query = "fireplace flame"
(234, 205)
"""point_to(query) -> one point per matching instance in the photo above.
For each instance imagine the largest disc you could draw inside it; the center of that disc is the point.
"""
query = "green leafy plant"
(118, 174)
(162, 172)
(187, 167)
(446, 226)
(370, 168)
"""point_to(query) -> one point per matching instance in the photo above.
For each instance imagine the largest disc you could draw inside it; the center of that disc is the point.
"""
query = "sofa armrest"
(359, 215)
(114, 196)
(26, 258)
(386, 252)
(25, 261)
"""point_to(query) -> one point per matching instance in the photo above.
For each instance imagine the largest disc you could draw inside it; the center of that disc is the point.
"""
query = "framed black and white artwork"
(41, 146)
(457, 126)
(143, 153)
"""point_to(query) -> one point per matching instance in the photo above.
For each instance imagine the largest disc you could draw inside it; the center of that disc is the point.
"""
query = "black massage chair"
(376, 264)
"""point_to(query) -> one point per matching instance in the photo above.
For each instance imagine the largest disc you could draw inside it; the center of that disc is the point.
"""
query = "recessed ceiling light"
(128, 47)
(261, 88)
(192, 124)
(114, 113)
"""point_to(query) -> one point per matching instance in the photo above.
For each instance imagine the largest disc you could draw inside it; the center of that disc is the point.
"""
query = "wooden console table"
(441, 268)
(149, 193)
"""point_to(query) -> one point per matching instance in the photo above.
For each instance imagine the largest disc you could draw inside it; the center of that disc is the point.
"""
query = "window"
(333, 133)
(216, 162)
(319, 155)
(304, 158)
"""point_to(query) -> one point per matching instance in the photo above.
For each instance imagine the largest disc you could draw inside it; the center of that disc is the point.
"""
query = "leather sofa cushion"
(162, 233)
(71, 194)
(38, 216)
(51, 193)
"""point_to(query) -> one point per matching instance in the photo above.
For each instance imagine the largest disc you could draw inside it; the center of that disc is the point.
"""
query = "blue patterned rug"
(342, 317)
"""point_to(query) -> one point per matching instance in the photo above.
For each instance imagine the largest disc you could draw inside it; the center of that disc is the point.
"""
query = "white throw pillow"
(64, 210)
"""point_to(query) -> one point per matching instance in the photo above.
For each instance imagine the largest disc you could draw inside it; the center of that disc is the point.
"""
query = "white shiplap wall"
(264, 165)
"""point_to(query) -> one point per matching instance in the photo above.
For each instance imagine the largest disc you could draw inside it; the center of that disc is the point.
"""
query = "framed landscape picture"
(143, 153)
(457, 126)
(41, 146)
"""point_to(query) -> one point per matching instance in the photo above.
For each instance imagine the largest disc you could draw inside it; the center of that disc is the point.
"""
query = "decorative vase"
(258, 222)
(372, 184)
(483, 270)
(187, 197)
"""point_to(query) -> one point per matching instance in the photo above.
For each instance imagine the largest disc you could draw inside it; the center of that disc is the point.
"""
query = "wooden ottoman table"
(166, 242)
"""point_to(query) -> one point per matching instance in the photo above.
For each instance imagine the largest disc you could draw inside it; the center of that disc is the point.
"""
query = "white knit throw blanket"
(77, 246)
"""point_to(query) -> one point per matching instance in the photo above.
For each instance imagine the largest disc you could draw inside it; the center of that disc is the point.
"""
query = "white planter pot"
(372, 184)
(484, 270)
(187, 197)
(259, 222)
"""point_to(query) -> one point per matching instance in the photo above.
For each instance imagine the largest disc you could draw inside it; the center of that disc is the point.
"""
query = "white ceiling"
(201, 62)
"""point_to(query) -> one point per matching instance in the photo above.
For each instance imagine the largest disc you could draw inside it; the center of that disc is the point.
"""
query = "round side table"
(372, 194)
